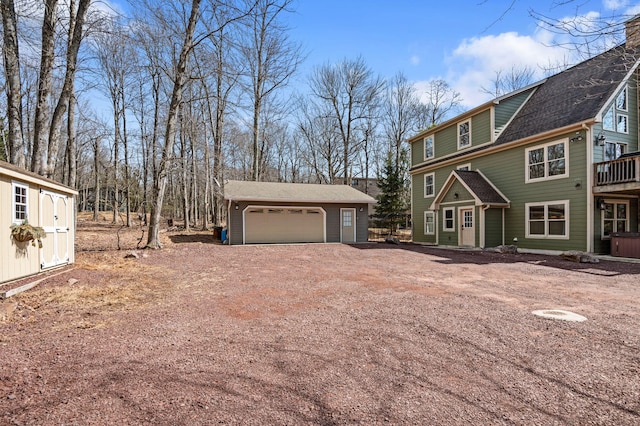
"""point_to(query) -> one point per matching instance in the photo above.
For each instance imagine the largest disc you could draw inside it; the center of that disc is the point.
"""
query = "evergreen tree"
(393, 197)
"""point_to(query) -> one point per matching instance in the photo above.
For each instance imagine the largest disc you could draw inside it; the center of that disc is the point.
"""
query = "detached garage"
(43, 203)
(273, 212)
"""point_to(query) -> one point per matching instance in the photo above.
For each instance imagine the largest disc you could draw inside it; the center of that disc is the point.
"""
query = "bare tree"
(16, 143)
(41, 120)
(76, 23)
(506, 82)
(441, 100)
(160, 178)
(349, 92)
(271, 59)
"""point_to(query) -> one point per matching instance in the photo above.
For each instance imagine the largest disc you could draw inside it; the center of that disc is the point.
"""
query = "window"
(621, 100)
(429, 186)
(464, 166)
(613, 119)
(614, 217)
(464, 134)
(449, 219)
(621, 126)
(20, 202)
(613, 150)
(547, 161)
(347, 218)
(429, 223)
(428, 147)
(607, 120)
(548, 220)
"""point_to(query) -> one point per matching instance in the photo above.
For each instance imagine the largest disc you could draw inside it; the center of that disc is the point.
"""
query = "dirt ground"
(201, 333)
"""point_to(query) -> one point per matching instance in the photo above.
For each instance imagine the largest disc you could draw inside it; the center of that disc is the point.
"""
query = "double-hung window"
(449, 219)
(464, 134)
(20, 205)
(615, 217)
(429, 185)
(547, 161)
(429, 148)
(429, 223)
(547, 220)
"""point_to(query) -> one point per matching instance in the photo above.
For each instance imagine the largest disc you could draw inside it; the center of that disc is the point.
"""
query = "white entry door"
(467, 224)
(348, 225)
(55, 219)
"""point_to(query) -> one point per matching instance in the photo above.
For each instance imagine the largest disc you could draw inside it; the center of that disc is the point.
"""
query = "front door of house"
(467, 224)
(348, 225)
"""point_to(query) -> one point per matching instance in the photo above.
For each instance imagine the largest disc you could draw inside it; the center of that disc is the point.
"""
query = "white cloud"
(615, 4)
(414, 60)
(475, 62)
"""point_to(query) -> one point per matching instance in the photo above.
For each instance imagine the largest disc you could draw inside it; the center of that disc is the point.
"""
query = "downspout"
(589, 185)
(229, 221)
(482, 225)
(503, 230)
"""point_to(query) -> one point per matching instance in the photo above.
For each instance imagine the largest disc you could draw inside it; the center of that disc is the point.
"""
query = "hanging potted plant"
(26, 232)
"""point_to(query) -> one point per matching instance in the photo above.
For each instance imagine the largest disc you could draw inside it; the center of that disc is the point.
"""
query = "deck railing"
(622, 170)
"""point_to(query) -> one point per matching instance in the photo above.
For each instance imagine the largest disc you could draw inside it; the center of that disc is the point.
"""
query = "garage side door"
(284, 225)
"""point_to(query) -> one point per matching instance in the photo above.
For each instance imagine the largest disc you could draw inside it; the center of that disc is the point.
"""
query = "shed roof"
(16, 172)
(235, 190)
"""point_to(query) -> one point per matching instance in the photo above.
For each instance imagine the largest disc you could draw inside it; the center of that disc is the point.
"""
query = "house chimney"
(632, 30)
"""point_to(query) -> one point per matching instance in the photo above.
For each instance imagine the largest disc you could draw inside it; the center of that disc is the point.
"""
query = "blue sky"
(462, 42)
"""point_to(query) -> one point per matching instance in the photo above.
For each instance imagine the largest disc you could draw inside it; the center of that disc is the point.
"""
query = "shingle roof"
(571, 96)
(235, 190)
(481, 187)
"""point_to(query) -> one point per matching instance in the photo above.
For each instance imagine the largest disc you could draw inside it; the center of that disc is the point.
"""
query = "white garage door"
(284, 225)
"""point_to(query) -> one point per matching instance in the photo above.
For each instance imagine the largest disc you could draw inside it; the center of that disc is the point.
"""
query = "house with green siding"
(554, 166)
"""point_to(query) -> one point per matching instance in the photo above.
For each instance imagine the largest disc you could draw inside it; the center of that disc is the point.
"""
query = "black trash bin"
(217, 232)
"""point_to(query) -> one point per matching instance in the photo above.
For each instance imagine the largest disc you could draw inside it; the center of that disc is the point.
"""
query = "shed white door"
(55, 219)
(284, 225)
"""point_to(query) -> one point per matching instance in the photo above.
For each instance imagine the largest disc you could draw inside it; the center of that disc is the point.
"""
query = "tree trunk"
(72, 159)
(16, 143)
(75, 37)
(160, 178)
(44, 87)
(96, 181)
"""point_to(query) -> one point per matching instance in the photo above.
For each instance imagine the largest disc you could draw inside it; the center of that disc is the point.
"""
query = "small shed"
(26, 196)
(274, 212)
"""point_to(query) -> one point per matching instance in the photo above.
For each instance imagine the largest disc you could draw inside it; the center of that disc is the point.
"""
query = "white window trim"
(624, 149)
(546, 162)
(433, 222)
(433, 185)
(625, 131)
(626, 95)
(626, 225)
(15, 185)
(546, 235)
(453, 219)
(463, 166)
(458, 134)
(433, 147)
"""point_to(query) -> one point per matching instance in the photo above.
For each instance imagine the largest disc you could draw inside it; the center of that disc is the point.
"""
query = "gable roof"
(19, 173)
(235, 190)
(572, 96)
(480, 188)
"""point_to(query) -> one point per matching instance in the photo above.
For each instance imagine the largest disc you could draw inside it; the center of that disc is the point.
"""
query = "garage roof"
(235, 190)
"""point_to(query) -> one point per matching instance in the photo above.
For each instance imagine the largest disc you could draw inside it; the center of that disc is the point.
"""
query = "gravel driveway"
(199, 333)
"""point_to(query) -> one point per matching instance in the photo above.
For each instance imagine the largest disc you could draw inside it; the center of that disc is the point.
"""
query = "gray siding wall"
(235, 229)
